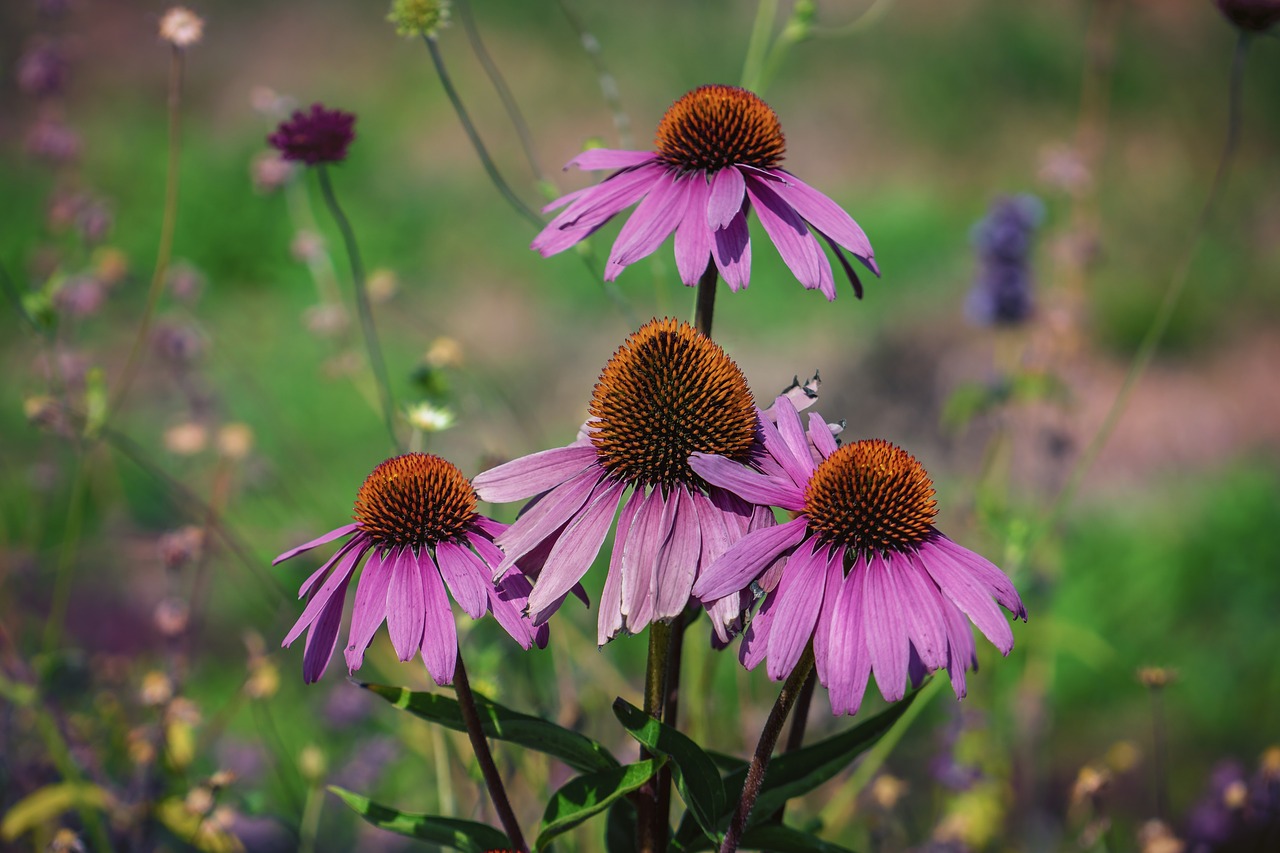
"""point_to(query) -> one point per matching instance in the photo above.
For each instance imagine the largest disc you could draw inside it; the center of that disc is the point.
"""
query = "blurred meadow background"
(140, 619)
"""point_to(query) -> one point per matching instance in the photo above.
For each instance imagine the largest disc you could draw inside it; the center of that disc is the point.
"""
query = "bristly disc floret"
(715, 126)
(872, 496)
(667, 393)
(415, 500)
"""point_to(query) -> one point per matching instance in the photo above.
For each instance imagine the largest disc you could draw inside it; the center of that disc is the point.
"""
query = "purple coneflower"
(318, 136)
(718, 150)
(416, 516)
(667, 393)
(860, 569)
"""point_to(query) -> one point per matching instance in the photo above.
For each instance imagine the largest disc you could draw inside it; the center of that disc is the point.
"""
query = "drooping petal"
(370, 609)
(820, 435)
(797, 468)
(997, 583)
(799, 250)
(886, 630)
(610, 620)
(755, 640)
(828, 217)
(465, 577)
(576, 547)
(971, 596)
(731, 248)
(507, 602)
(533, 474)
(593, 208)
(406, 609)
(337, 533)
(727, 191)
(596, 159)
(439, 638)
(923, 607)
(320, 598)
(742, 563)
(747, 484)
(849, 271)
(653, 221)
(693, 237)
(849, 660)
(799, 596)
(962, 653)
(357, 543)
(322, 639)
(793, 434)
(822, 631)
(678, 559)
(547, 516)
(649, 530)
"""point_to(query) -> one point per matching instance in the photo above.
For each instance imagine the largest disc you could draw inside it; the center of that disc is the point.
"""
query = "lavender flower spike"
(717, 155)
(860, 569)
(416, 519)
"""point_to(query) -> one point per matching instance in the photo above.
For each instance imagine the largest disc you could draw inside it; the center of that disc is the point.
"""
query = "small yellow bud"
(415, 18)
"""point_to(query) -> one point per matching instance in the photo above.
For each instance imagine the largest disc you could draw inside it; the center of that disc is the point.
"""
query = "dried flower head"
(181, 27)
(319, 135)
(1252, 15)
(413, 18)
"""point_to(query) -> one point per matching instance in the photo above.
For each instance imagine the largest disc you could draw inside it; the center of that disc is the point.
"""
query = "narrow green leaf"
(784, 839)
(578, 751)
(727, 763)
(620, 828)
(465, 835)
(695, 773)
(584, 796)
(799, 772)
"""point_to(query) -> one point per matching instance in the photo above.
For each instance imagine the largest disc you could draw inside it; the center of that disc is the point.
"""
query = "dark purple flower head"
(318, 136)
(1255, 15)
(42, 70)
(1001, 293)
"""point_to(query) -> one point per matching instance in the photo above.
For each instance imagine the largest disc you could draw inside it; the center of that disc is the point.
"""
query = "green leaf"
(465, 835)
(727, 763)
(584, 796)
(695, 773)
(48, 803)
(799, 772)
(620, 828)
(578, 751)
(784, 839)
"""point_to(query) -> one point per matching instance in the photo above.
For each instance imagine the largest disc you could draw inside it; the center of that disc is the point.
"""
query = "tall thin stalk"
(492, 779)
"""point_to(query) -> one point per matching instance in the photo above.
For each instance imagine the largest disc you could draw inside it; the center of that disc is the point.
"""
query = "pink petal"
(731, 248)
(576, 547)
(747, 484)
(465, 576)
(997, 583)
(744, 562)
(755, 640)
(799, 250)
(357, 543)
(653, 221)
(531, 475)
(828, 217)
(793, 434)
(820, 435)
(439, 638)
(322, 639)
(822, 631)
(649, 530)
(799, 467)
(922, 602)
(886, 630)
(507, 601)
(610, 620)
(970, 595)
(693, 237)
(320, 599)
(370, 609)
(678, 560)
(849, 661)
(547, 516)
(595, 159)
(799, 597)
(725, 201)
(337, 533)
(406, 611)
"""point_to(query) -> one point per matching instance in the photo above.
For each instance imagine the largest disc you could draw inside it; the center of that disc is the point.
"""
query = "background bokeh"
(1112, 113)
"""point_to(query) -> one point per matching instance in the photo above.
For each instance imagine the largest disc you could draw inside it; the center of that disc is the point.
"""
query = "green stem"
(492, 780)
(1164, 314)
(791, 690)
(705, 302)
(168, 223)
(758, 46)
(604, 77)
(472, 134)
(376, 362)
(66, 554)
(651, 826)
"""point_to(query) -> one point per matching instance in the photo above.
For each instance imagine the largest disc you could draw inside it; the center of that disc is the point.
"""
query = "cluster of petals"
(898, 613)
(409, 589)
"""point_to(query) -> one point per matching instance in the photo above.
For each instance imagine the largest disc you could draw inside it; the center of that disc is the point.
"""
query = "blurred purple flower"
(717, 155)
(79, 296)
(42, 70)
(179, 344)
(318, 136)
(416, 519)
(666, 393)
(860, 568)
(1001, 293)
(51, 140)
(1253, 15)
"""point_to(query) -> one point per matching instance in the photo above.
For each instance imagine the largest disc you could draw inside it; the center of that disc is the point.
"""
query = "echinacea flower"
(416, 519)
(716, 159)
(860, 569)
(318, 136)
(667, 393)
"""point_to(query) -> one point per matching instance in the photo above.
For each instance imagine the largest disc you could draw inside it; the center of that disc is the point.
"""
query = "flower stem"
(168, 222)
(604, 77)
(1164, 314)
(1160, 748)
(791, 690)
(493, 781)
(376, 363)
(758, 46)
(799, 722)
(651, 822)
(472, 134)
(705, 306)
